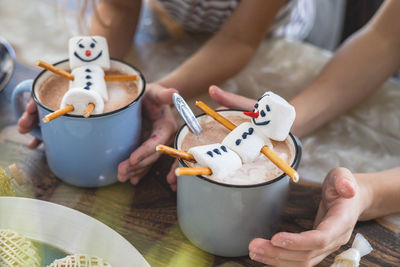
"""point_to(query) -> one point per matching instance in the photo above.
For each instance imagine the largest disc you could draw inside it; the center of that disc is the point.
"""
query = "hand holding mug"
(159, 128)
(336, 217)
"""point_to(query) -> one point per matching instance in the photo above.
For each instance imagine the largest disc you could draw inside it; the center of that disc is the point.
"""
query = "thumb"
(161, 96)
(344, 182)
(230, 100)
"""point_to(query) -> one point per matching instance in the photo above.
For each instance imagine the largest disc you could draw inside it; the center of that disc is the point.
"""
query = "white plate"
(67, 229)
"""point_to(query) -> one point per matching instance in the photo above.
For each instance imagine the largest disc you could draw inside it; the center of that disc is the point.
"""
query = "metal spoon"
(187, 114)
(7, 62)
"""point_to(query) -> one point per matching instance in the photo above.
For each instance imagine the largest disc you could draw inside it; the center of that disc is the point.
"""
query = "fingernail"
(281, 243)
(258, 251)
(256, 257)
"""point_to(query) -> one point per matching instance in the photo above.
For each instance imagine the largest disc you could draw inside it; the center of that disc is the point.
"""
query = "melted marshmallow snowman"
(272, 116)
(88, 58)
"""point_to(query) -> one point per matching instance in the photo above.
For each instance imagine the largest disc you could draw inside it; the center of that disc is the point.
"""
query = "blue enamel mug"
(82, 151)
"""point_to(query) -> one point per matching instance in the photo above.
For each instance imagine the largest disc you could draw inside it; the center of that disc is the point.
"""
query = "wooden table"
(146, 214)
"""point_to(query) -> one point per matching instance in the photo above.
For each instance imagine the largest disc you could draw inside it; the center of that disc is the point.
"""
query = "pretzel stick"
(88, 110)
(192, 171)
(212, 113)
(55, 70)
(121, 78)
(57, 113)
(280, 163)
(175, 153)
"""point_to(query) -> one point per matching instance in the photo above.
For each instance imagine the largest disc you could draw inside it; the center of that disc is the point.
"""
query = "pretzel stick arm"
(192, 171)
(88, 110)
(281, 164)
(175, 153)
(57, 113)
(55, 70)
(121, 78)
(212, 113)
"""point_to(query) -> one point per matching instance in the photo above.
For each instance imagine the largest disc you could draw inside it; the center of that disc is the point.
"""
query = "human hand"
(337, 215)
(230, 100)
(159, 127)
(28, 121)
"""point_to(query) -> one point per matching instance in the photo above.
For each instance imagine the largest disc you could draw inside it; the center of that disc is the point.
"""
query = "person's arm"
(363, 63)
(116, 20)
(381, 193)
(227, 51)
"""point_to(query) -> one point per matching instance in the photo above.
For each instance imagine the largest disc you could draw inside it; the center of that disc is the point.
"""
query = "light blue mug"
(86, 151)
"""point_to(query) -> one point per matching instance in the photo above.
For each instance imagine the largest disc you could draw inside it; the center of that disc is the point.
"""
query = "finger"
(264, 248)
(31, 107)
(160, 96)
(139, 175)
(34, 143)
(171, 177)
(149, 160)
(230, 100)
(174, 187)
(26, 122)
(308, 240)
(345, 183)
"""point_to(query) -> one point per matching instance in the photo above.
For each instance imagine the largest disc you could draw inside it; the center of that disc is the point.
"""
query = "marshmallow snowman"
(88, 50)
(272, 116)
(88, 58)
(246, 142)
(220, 159)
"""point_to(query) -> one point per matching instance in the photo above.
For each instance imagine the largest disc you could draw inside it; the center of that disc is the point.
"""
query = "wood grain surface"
(146, 214)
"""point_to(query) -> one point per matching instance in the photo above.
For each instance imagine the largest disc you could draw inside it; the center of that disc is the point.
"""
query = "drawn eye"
(81, 46)
(256, 105)
(267, 107)
(262, 113)
(92, 45)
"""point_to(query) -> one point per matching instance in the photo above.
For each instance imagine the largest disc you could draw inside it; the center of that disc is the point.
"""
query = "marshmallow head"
(80, 98)
(88, 50)
(90, 77)
(274, 116)
(245, 142)
(221, 160)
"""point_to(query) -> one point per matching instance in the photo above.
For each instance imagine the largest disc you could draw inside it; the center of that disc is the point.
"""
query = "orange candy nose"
(252, 114)
(88, 53)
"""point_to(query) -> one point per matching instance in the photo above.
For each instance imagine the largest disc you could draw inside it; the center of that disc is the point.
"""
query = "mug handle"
(18, 107)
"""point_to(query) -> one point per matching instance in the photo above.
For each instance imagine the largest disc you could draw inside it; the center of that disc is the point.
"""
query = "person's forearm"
(213, 63)
(116, 20)
(379, 193)
(361, 65)
(228, 51)
(358, 68)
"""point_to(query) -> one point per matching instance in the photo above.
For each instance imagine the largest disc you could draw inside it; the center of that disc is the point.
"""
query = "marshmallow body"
(80, 98)
(88, 50)
(221, 160)
(276, 116)
(245, 141)
(90, 77)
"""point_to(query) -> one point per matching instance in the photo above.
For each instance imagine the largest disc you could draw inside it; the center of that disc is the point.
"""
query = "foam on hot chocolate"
(120, 94)
(258, 171)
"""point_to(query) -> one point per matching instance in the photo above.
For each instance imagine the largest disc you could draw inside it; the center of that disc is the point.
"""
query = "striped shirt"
(294, 20)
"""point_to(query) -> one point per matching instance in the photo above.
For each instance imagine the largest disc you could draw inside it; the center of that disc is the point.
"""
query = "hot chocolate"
(52, 90)
(258, 171)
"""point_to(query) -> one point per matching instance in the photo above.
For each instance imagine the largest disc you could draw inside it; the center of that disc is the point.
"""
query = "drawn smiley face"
(87, 49)
(262, 109)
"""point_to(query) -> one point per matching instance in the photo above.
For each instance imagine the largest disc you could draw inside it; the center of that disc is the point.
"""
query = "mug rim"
(35, 98)
(295, 159)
